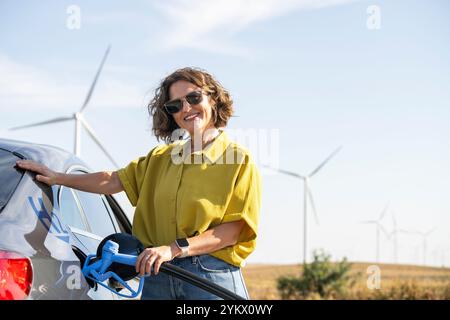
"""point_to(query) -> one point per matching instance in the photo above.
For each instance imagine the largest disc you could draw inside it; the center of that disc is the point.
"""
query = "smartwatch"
(183, 244)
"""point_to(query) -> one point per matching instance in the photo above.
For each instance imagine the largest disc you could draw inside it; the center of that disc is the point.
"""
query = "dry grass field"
(397, 281)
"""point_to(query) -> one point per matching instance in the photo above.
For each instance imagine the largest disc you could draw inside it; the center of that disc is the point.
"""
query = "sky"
(306, 77)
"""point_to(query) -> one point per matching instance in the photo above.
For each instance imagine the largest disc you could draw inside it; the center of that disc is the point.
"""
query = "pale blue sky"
(310, 69)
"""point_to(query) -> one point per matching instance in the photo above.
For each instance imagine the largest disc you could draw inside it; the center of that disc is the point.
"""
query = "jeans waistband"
(192, 259)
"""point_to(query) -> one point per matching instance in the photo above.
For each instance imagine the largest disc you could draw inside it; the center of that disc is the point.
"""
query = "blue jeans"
(166, 287)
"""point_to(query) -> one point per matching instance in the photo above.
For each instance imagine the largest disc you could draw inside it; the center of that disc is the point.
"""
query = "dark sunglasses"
(174, 106)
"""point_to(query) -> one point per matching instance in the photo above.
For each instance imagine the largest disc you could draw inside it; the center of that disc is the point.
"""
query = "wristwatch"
(183, 244)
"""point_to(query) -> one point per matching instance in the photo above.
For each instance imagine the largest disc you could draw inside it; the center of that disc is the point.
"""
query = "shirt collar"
(212, 151)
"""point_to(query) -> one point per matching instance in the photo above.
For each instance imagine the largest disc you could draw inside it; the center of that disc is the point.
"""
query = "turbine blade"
(316, 217)
(91, 89)
(383, 213)
(90, 131)
(384, 231)
(394, 221)
(430, 231)
(324, 162)
(60, 119)
(293, 174)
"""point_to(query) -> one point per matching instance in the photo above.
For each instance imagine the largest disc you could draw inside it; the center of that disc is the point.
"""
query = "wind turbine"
(424, 242)
(437, 255)
(394, 236)
(307, 194)
(79, 119)
(379, 228)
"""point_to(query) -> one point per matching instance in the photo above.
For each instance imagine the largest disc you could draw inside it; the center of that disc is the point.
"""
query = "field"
(397, 281)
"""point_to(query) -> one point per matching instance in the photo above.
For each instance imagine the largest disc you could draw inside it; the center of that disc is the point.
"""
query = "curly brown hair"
(164, 124)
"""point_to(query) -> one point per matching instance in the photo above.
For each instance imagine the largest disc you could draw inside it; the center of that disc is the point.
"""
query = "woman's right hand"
(43, 174)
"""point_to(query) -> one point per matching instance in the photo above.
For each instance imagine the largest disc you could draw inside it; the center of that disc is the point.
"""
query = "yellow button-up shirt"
(179, 194)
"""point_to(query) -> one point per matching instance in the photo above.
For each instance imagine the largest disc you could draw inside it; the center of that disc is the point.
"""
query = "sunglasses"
(174, 106)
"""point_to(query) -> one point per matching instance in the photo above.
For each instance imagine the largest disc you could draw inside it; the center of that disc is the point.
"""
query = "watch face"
(182, 243)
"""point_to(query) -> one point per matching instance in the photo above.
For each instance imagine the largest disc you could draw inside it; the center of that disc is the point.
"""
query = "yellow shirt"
(179, 194)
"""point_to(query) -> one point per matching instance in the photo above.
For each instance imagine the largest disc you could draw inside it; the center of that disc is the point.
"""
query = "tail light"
(16, 276)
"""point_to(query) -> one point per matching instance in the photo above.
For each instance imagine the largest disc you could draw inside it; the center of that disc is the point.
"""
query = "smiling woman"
(204, 215)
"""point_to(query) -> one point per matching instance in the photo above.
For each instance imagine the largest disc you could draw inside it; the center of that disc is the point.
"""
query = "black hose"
(202, 283)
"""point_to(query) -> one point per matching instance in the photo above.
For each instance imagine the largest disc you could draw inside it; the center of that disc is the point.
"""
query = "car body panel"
(31, 225)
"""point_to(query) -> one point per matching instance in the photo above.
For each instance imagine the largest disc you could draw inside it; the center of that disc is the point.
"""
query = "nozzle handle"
(109, 251)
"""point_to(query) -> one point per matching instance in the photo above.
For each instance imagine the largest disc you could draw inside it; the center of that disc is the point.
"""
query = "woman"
(197, 200)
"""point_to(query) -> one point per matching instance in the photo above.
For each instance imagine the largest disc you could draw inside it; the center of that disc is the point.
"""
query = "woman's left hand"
(153, 257)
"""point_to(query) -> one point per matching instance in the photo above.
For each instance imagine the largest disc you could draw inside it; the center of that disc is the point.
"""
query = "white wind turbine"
(394, 236)
(379, 228)
(424, 236)
(79, 119)
(307, 194)
(438, 256)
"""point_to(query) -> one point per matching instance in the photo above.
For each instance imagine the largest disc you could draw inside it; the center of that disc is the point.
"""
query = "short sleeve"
(245, 200)
(132, 176)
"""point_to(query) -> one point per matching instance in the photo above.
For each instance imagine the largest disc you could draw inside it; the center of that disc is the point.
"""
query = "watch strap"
(183, 244)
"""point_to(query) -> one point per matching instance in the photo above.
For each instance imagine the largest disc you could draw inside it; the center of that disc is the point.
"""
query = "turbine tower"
(379, 228)
(79, 119)
(394, 235)
(307, 194)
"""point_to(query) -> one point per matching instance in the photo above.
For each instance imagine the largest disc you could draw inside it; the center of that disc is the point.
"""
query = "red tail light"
(16, 276)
